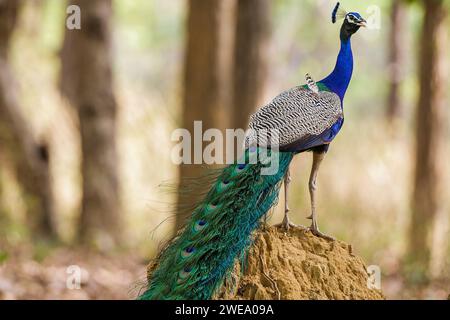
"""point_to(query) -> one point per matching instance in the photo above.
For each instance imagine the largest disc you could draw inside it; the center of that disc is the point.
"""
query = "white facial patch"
(352, 19)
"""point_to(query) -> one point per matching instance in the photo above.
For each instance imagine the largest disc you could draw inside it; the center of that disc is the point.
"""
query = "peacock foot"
(315, 231)
(286, 224)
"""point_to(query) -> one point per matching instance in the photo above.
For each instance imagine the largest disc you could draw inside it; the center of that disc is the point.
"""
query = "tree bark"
(30, 157)
(87, 81)
(396, 58)
(250, 58)
(429, 134)
(206, 77)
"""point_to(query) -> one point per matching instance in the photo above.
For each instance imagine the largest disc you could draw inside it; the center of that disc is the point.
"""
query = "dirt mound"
(298, 265)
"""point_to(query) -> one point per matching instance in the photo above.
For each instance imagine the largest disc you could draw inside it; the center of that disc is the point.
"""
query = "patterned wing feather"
(295, 115)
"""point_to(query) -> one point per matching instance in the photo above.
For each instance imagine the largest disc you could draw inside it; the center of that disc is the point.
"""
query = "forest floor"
(23, 276)
(31, 274)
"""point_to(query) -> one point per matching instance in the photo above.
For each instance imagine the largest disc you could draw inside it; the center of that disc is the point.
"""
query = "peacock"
(306, 118)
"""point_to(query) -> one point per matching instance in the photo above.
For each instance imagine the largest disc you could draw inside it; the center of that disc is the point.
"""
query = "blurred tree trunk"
(87, 81)
(396, 58)
(30, 157)
(429, 134)
(250, 58)
(208, 65)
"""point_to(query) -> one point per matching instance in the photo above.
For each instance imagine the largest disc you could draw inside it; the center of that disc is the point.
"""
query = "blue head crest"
(355, 15)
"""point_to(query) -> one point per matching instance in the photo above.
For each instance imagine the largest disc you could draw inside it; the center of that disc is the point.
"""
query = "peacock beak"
(362, 23)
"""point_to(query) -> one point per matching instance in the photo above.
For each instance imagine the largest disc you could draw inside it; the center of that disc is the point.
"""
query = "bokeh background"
(86, 118)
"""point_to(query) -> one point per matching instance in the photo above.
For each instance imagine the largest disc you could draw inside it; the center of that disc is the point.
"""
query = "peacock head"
(352, 21)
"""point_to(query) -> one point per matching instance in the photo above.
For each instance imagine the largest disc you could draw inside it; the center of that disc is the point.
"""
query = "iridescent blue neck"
(339, 79)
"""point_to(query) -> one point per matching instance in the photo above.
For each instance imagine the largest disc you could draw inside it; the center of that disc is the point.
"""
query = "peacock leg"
(317, 160)
(286, 224)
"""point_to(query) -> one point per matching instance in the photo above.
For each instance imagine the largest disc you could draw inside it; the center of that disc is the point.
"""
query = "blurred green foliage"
(3, 256)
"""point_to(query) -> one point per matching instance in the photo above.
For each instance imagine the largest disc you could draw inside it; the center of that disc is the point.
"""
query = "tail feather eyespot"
(199, 225)
(184, 274)
(210, 207)
(187, 252)
(260, 181)
(240, 167)
(223, 185)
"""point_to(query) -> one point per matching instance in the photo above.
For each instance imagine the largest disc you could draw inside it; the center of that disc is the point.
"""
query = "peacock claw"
(286, 225)
(315, 231)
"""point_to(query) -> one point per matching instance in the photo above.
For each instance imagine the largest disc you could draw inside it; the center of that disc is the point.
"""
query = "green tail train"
(195, 263)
